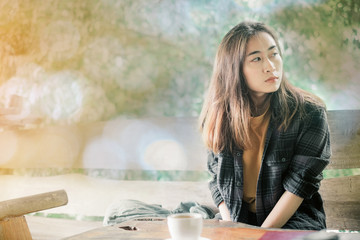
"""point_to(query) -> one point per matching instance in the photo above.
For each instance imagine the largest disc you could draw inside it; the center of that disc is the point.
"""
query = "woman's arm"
(303, 176)
(218, 200)
(224, 211)
(212, 165)
(283, 210)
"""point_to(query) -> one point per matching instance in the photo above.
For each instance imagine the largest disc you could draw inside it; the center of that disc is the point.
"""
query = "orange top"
(252, 157)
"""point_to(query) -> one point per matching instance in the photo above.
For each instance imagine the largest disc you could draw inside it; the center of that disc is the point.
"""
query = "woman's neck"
(260, 104)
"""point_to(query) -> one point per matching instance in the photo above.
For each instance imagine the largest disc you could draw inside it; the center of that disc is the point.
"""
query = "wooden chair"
(341, 195)
(12, 221)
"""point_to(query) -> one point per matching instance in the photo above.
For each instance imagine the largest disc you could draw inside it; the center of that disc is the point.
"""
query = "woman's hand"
(283, 210)
(224, 211)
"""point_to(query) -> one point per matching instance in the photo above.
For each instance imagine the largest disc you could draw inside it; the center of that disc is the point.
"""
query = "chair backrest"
(341, 194)
(12, 221)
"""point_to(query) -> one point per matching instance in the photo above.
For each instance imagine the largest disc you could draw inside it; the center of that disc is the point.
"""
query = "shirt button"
(283, 159)
(238, 154)
(238, 184)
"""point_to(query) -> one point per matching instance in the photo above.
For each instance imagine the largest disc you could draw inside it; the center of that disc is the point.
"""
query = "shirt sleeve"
(212, 165)
(312, 154)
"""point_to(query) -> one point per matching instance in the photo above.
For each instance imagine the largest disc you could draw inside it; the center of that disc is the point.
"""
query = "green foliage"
(154, 58)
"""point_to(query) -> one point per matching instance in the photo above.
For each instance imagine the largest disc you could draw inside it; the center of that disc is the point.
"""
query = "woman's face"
(262, 65)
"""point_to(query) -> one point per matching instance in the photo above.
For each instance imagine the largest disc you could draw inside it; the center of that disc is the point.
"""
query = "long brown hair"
(225, 116)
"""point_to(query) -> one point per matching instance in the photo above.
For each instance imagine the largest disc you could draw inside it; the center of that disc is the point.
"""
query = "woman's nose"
(269, 66)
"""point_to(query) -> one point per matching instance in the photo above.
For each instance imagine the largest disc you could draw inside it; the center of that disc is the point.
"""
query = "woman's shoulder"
(301, 109)
(313, 108)
(314, 114)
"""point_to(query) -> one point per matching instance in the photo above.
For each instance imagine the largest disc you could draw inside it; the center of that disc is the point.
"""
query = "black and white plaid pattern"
(293, 160)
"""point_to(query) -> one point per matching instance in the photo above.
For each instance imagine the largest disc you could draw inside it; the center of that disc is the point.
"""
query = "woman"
(268, 141)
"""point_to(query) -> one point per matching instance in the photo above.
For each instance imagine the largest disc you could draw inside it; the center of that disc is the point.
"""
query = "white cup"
(185, 226)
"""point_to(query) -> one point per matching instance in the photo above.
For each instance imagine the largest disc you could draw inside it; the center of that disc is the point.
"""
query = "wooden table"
(156, 228)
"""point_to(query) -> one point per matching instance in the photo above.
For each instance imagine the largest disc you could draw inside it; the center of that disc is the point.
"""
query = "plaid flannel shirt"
(293, 160)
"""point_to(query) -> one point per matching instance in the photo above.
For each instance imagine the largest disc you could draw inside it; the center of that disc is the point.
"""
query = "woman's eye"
(274, 54)
(256, 59)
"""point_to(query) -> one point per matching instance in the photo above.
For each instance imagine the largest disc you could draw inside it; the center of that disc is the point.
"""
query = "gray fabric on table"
(124, 210)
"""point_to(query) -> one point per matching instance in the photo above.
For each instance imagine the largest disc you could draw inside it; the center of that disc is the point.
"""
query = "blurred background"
(112, 88)
(85, 61)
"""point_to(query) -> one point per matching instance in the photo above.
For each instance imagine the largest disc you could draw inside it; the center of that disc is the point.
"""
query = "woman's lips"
(272, 79)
